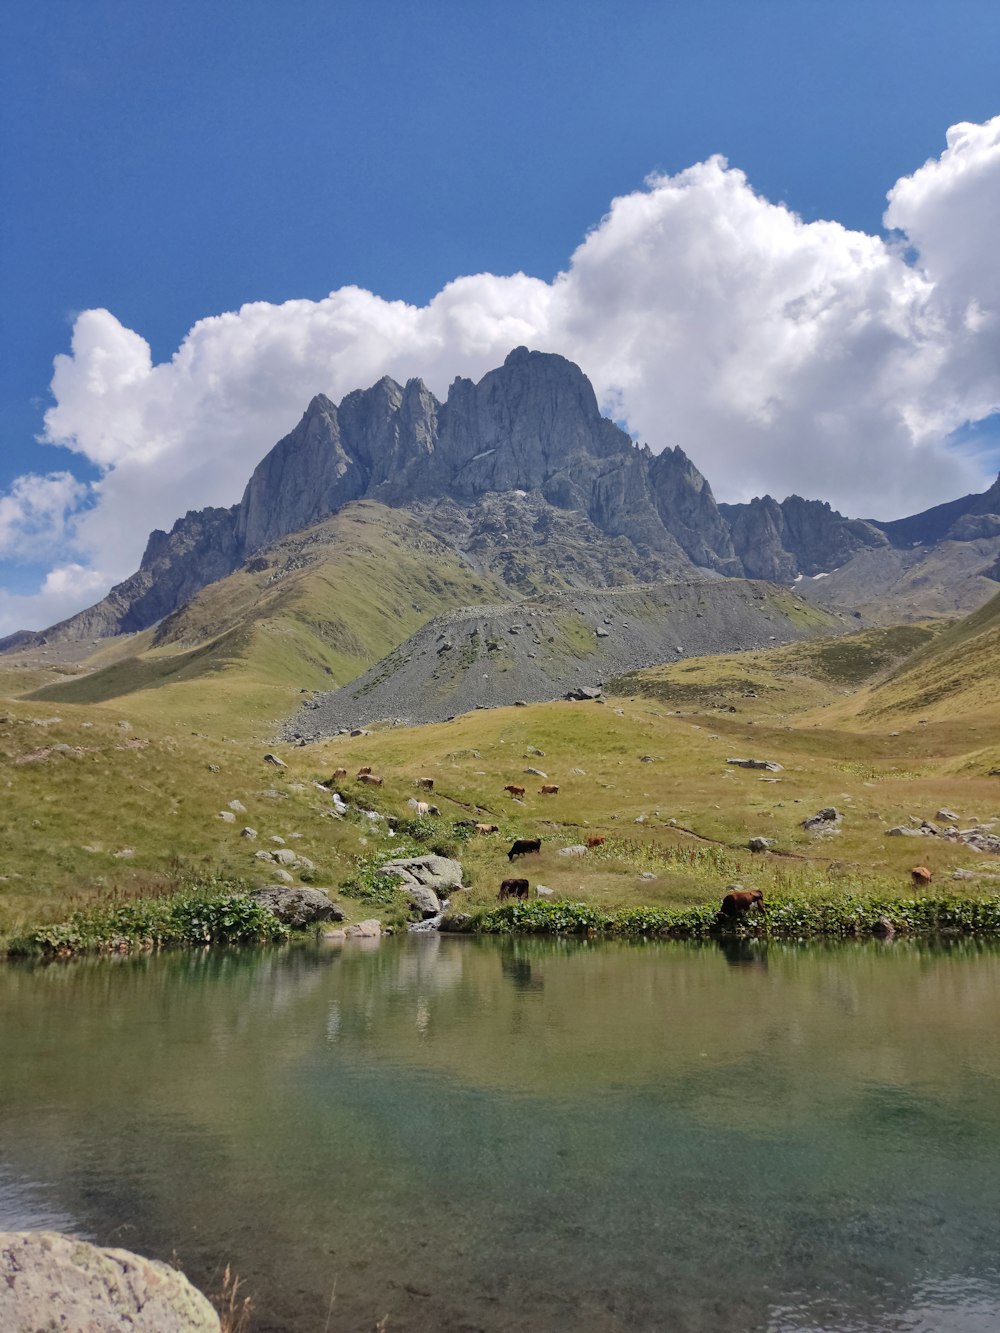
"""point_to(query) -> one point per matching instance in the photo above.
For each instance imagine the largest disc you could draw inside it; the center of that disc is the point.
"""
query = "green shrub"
(370, 883)
(844, 917)
(422, 828)
(203, 914)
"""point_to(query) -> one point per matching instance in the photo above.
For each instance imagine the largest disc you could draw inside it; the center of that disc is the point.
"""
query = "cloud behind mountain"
(781, 355)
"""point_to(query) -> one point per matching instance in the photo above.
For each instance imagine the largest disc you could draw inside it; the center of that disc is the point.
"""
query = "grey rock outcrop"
(298, 906)
(51, 1281)
(777, 541)
(439, 873)
(827, 820)
(424, 900)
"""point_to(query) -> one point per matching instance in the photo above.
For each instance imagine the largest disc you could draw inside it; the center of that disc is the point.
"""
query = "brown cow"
(339, 774)
(738, 902)
(513, 888)
(550, 789)
(595, 841)
(370, 779)
(514, 791)
(426, 783)
(487, 828)
(921, 876)
(522, 846)
(363, 771)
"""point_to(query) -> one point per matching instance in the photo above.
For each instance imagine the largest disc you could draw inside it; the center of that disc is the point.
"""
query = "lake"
(464, 1134)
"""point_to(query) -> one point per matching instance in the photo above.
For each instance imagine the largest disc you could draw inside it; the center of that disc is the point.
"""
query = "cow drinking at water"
(738, 902)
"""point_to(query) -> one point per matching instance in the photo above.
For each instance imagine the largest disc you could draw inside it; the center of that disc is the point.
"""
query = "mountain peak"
(516, 356)
(531, 427)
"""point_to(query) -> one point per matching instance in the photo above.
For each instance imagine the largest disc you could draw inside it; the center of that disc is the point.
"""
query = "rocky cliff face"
(778, 541)
(532, 428)
(532, 425)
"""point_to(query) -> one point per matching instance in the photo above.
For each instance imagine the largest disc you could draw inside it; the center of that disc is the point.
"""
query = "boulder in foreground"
(51, 1281)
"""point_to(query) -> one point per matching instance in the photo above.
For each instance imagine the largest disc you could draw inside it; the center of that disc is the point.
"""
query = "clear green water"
(466, 1135)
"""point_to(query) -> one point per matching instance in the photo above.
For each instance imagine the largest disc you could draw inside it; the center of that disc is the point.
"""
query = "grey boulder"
(823, 821)
(424, 899)
(298, 906)
(51, 1281)
(431, 872)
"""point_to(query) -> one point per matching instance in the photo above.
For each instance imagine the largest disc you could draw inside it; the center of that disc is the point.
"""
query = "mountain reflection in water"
(525, 1134)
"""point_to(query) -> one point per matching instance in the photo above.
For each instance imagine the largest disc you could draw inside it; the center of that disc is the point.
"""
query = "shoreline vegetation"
(206, 916)
(199, 916)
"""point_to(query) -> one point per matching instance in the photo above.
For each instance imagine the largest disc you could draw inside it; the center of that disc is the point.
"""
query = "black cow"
(513, 888)
(524, 845)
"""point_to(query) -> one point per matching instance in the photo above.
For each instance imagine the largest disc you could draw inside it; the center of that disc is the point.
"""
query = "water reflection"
(515, 964)
(526, 1134)
(742, 952)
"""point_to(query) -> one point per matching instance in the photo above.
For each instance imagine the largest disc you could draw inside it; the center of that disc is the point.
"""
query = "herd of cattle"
(735, 905)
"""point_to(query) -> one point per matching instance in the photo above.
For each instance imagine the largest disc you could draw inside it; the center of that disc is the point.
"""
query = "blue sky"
(172, 162)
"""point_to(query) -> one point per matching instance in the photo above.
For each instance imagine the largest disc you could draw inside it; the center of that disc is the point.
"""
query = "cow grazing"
(338, 775)
(738, 902)
(514, 791)
(362, 772)
(921, 876)
(522, 846)
(419, 808)
(550, 789)
(597, 841)
(426, 784)
(513, 888)
(370, 779)
(487, 828)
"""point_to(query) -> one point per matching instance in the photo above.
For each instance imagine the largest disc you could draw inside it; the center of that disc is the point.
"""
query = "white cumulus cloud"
(781, 355)
(37, 514)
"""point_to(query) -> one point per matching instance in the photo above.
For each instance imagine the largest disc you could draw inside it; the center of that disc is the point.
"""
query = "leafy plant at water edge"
(199, 917)
(787, 918)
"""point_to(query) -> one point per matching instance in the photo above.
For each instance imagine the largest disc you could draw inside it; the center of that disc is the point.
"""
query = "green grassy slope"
(956, 675)
(95, 809)
(781, 681)
(118, 790)
(311, 612)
